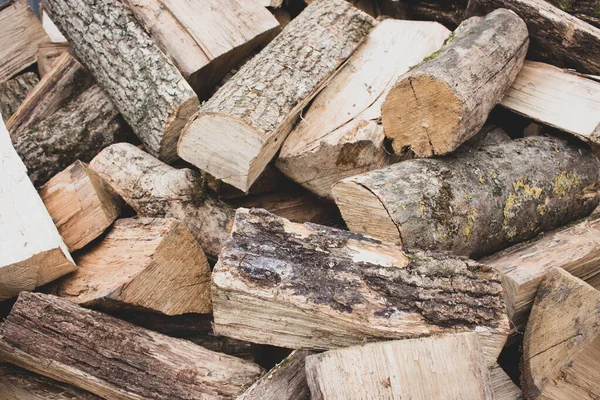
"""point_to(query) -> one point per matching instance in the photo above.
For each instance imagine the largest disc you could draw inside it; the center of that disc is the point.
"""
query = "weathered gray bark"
(477, 203)
(445, 100)
(239, 130)
(143, 83)
(14, 91)
(311, 286)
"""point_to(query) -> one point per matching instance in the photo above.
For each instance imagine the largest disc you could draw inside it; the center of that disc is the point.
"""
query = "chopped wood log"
(112, 358)
(81, 205)
(206, 38)
(446, 100)
(474, 204)
(155, 189)
(271, 180)
(340, 135)
(450, 13)
(47, 54)
(286, 381)
(239, 130)
(19, 384)
(561, 347)
(311, 286)
(556, 37)
(586, 10)
(134, 72)
(20, 34)
(14, 91)
(446, 367)
(149, 264)
(556, 98)
(503, 387)
(576, 249)
(32, 252)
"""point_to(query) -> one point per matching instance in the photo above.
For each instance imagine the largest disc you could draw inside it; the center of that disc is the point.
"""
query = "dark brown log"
(587, 10)
(447, 12)
(14, 91)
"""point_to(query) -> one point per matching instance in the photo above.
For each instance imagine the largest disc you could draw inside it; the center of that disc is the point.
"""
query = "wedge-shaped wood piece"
(112, 358)
(477, 203)
(340, 135)
(149, 263)
(561, 347)
(311, 286)
(444, 101)
(239, 130)
(155, 189)
(47, 54)
(14, 91)
(32, 252)
(503, 387)
(576, 249)
(20, 34)
(81, 204)
(445, 367)
(141, 80)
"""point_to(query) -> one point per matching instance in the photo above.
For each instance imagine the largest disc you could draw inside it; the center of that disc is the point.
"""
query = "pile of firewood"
(274, 200)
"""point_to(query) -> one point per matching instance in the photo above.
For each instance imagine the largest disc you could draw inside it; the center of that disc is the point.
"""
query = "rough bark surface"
(14, 91)
(450, 13)
(446, 100)
(477, 203)
(586, 10)
(107, 356)
(142, 82)
(311, 286)
(239, 130)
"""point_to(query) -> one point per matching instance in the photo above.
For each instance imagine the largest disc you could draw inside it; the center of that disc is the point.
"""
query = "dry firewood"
(81, 205)
(47, 54)
(14, 91)
(155, 189)
(20, 34)
(31, 250)
(239, 130)
(586, 10)
(444, 101)
(340, 135)
(271, 180)
(503, 387)
(474, 204)
(152, 264)
(450, 13)
(311, 286)
(271, 3)
(142, 82)
(51, 29)
(556, 37)
(561, 347)
(446, 367)
(112, 358)
(206, 38)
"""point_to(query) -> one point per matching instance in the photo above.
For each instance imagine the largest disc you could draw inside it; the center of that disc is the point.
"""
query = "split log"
(561, 347)
(286, 381)
(576, 249)
(81, 205)
(47, 54)
(155, 189)
(474, 204)
(112, 358)
(149, 264)
(20, 34)
(503, 387)
(14, 91)
(444, 101)
(137, 75)
(31, 250)
(556, 37)
(586, 10)
(311, 286)
(556, 98)
(239, 130)
(341, 135)
(447, 367)
(206, 38)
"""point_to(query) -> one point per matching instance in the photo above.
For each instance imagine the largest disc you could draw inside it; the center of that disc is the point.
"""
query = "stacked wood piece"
(14, 91)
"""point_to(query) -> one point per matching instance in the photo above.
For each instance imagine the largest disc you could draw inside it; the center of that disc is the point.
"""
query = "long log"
(14, 91)
(311, 286)
(446, 100)
(340, 134)
(143, 83)
(474, 204)
(112, 358)
(239, 130)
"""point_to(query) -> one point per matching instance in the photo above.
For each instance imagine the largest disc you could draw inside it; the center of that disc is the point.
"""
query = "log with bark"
(155, 189)
(556, 37)
(340, 135)
(586, 10)
(239, 130)
(561, 347)
(47, 54)
(108, 357)
(450, 13)
(311, 286)
(142, 82)
(445, 100)
(14, 91)
(474, 204)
